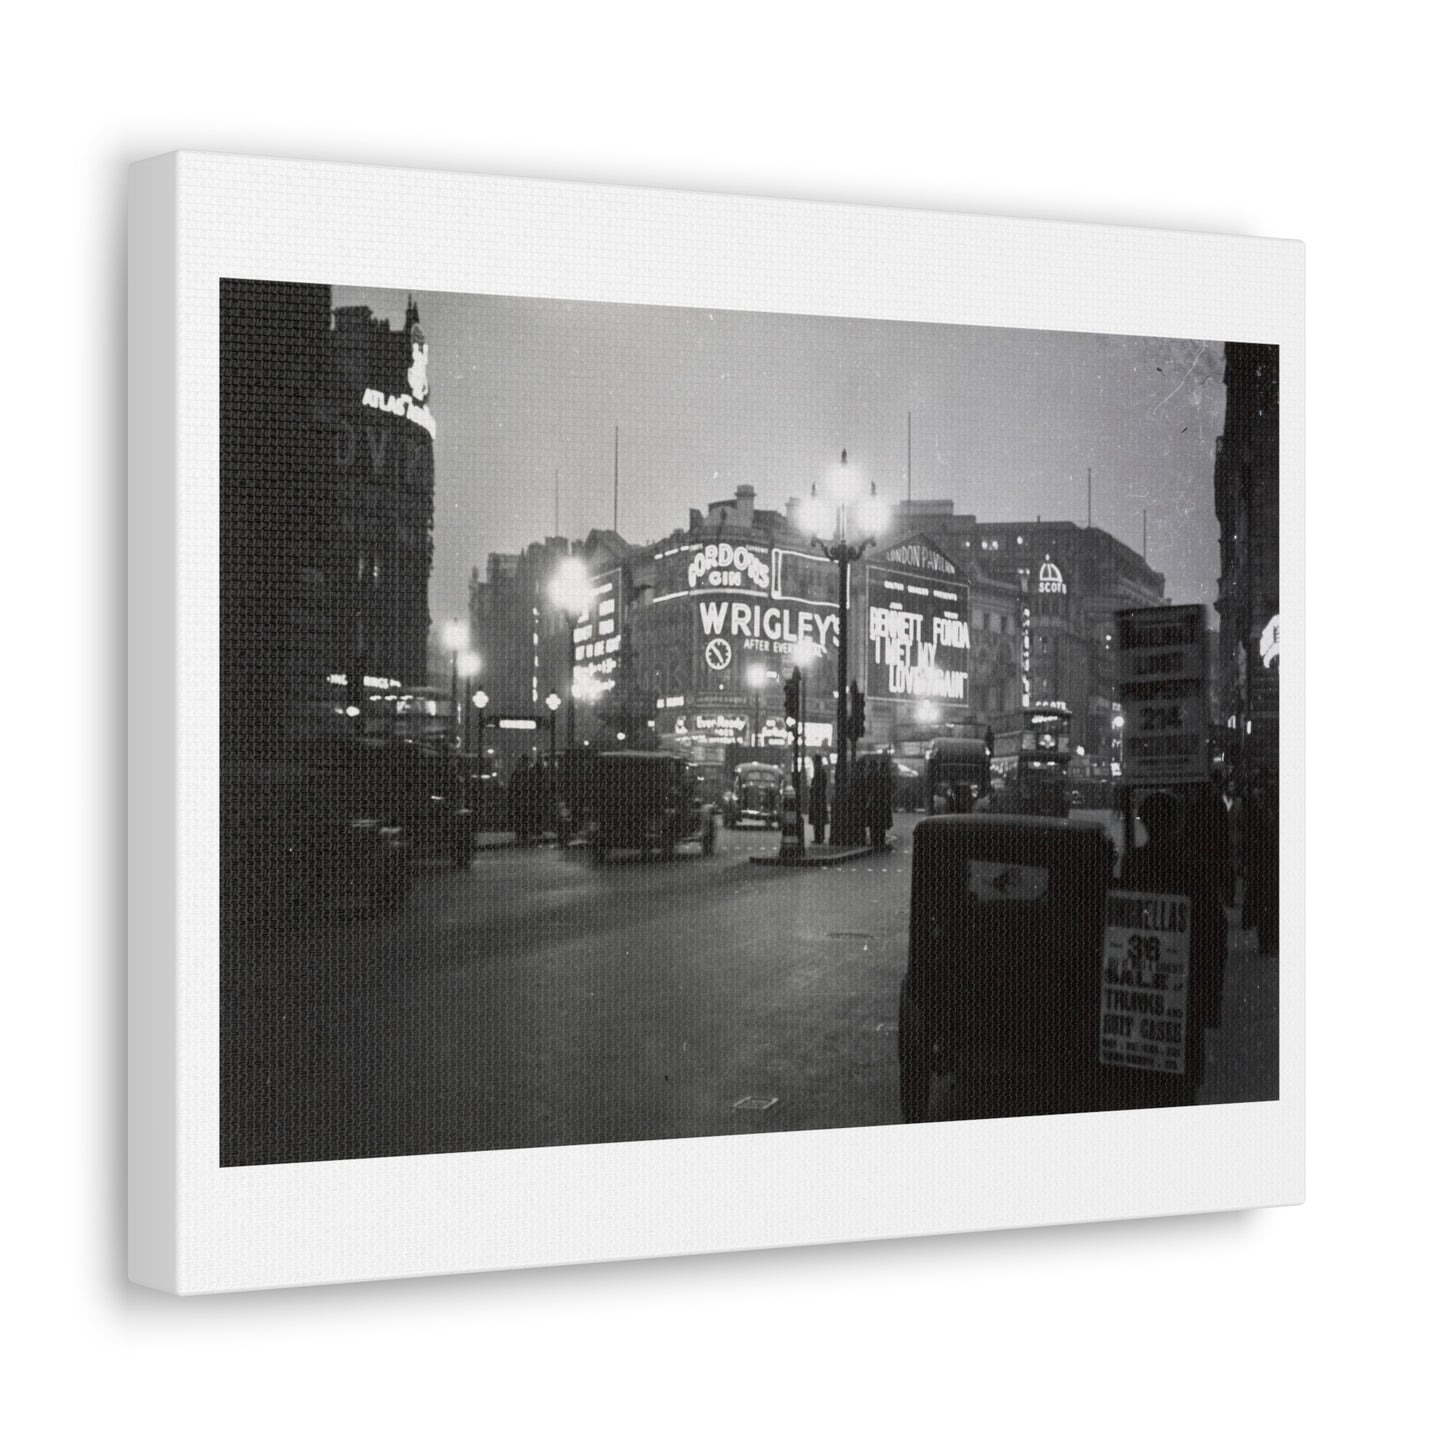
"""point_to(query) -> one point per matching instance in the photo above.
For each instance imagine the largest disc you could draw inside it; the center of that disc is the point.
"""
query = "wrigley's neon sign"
(783, 626)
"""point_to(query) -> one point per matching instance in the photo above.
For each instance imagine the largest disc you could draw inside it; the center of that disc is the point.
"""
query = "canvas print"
(648, 722)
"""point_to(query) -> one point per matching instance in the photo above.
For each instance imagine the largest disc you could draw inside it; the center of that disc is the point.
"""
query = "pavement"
(538, 998)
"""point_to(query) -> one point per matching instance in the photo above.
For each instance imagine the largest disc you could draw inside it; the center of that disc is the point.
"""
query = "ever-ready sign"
(1164, 694)
(1144, 985)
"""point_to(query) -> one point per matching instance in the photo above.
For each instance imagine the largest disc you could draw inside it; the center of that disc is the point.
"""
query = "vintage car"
(333, 831)
(547, 797)
(756, 796)
(956, 775)
(645, 802)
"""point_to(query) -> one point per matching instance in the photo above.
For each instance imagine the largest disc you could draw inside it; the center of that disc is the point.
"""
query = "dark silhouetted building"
(326, 523)
(1246, 499)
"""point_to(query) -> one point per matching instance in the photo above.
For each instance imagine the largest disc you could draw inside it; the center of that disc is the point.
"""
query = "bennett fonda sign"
(917, 642)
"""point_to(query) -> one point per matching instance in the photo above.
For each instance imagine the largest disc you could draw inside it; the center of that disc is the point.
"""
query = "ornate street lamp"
(818, 515)
(553, 703)
(571, 593)
(468, 665)
(757, 680)
(455, 637)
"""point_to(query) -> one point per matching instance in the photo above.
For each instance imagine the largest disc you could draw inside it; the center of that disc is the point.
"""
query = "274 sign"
(1164, 694)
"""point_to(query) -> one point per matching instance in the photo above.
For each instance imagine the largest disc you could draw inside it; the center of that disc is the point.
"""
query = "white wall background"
(1300, 1324)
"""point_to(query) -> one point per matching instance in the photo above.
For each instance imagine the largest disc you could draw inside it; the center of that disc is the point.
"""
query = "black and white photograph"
(553, 906)
(645, 722)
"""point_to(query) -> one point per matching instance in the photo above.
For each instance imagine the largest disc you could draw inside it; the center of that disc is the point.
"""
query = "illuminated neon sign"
(722, 564)
(400, 406)
(1050, 578)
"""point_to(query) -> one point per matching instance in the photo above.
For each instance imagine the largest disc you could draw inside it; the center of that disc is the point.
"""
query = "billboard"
(917, 640)
(721, 609)
(1164, 691)
(597, 638)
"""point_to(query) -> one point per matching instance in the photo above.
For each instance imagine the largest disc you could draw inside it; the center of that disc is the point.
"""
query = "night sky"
(1005, 423)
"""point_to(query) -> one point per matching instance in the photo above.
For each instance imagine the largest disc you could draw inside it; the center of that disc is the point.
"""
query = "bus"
(1031, 761)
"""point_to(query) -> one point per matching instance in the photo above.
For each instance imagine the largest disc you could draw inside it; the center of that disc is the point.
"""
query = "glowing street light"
(455, 636)
(842, 487)
(571, 587)
(872, 511)
(571, 593)
(757, 678)
(815, 514)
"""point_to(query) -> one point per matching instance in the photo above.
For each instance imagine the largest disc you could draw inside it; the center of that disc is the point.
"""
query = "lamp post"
(454, 638)
(757, 680)
(571, 593)
(818, 516)
(553, 703)
(468, 665)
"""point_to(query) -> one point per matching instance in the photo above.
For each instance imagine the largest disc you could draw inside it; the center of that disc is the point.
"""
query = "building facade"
(326, 522)
(1072, 580)
(688, 641)
(1246, 500)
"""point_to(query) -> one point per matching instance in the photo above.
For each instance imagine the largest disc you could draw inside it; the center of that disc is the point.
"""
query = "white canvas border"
(427, 231)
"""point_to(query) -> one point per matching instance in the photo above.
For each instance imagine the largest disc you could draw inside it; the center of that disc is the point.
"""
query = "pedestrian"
(1235, 803)
(1259, 838)
(1212, 823)
(879, 799)
(519, 801)
(818, 799)
(1172, 860)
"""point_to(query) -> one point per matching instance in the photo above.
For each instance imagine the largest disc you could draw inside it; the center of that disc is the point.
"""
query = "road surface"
(538, 999)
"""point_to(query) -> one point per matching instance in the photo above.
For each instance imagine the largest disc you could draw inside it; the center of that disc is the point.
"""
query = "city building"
(1073, 580)
(326, 522)
(1246, 500)
(687, 641)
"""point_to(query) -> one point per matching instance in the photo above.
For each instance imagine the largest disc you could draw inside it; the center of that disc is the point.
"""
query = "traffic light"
(792, 690)
(857, 719)
(988, 741)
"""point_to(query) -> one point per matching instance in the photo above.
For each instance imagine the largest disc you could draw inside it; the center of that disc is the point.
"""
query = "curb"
(815, 860)
(498, 845)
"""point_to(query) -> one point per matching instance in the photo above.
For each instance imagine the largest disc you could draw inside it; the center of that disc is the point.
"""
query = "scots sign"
(1164, 692)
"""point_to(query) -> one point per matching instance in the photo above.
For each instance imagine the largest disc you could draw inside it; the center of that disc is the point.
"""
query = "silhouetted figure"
(818, 799)
(1175, 858)
(520, 801)
(877, 781)
(1213, 837)
(1259, 846)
